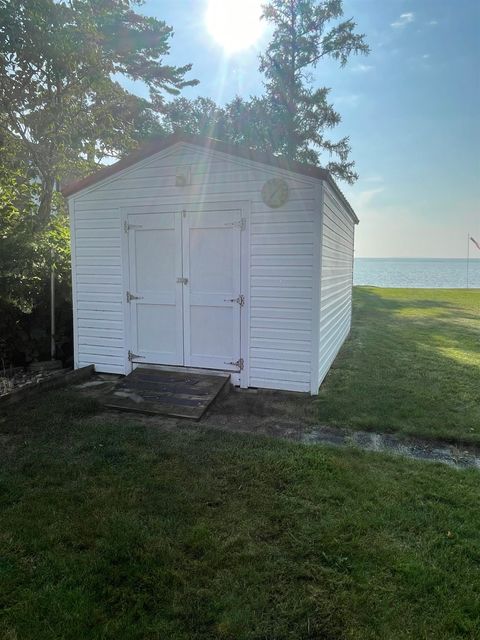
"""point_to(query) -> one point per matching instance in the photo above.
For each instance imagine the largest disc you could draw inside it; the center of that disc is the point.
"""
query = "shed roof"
(159, 144)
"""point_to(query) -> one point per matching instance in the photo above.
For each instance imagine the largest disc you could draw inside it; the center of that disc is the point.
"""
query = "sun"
(235, 24)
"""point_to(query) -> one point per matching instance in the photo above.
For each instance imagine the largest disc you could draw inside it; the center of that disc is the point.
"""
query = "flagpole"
(468, 255)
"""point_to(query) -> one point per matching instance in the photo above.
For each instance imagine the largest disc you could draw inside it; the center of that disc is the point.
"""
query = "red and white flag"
(475, 243)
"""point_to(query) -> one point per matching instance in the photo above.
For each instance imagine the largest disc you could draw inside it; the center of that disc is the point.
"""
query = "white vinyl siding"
(96, 244)
(280, 259)
(336, 277)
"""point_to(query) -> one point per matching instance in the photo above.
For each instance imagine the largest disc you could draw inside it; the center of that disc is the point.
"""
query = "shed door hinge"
(131, 297)
(238, 363)
(134, 356)
(240, 300)
(240, 224)
(127, 226)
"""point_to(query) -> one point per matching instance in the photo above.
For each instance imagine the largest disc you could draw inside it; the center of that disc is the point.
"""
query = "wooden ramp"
(167, 393)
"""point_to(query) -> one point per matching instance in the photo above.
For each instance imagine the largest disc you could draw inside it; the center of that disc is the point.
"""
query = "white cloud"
(426, 56)
(361, 200)
(362, 68)
(349, 99)
(404, 19)
(433, 23)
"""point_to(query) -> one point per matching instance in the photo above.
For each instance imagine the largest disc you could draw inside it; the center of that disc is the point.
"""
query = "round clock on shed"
(275, 192)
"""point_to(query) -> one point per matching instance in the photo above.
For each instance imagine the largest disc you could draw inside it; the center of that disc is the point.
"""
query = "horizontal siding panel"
(281, 271)
(105, 350)
(265, 364)
(277, 374)
(280, 334)
(267, 383)
(294, 324)
(330, 228)
(281, 303)
(332, 256)
(332, 347)
(274, 228)
(107, 234)
(87, 252)
(98, 243)
(285, 292)
(335, 236)
(282, 251)
(93, 305)
(84, 294)
(280, 313)
(326, 308)
(99, 332)
(281, 238)
(88, 291)
(92, 273)
(296, 208)
(91, 357)
(286, 281)
(281, 345)
(99, 222)
(304, 259)
(269, 217)
(87, 316)
(284, 356)
(108, 348)
(338, 312)
(332, 214)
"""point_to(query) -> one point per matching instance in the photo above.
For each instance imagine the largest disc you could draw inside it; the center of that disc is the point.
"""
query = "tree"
(292, 117)
(58, 93)
(301, 39)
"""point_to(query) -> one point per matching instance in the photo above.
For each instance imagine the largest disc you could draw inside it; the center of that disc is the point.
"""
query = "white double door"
(185, 288)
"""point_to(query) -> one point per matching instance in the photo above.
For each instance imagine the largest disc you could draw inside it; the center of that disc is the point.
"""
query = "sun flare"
(235, 24)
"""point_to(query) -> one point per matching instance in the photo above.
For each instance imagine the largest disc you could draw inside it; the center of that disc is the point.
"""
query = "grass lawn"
(411, 365)
(122, 530)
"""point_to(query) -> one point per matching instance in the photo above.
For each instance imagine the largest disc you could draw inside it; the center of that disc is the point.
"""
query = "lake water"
(417, 272)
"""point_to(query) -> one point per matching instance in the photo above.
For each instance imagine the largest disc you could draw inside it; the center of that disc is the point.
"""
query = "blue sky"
(411, 109)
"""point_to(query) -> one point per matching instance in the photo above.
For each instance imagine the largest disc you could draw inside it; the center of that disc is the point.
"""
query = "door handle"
(182, 280)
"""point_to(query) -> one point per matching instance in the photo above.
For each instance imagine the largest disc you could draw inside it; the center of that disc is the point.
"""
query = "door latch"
(238, 363)
(240, 300)
(131, 297)
(182, 280)
(241, 224)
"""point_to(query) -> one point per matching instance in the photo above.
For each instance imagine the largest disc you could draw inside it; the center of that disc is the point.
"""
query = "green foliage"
(27, 254)
(59, 62)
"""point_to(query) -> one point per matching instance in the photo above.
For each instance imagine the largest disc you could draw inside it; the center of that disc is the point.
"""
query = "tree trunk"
(45, 207)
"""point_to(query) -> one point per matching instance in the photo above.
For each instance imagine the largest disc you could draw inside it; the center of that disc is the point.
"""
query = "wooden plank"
(168, 393)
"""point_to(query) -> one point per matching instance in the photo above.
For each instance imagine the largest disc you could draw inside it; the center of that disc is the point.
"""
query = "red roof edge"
(159, 144)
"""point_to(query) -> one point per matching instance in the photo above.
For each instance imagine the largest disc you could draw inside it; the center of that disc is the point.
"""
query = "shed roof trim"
(156, 145)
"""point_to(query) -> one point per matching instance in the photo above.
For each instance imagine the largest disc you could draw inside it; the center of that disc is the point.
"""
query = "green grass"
(121, 530)
(411, 365)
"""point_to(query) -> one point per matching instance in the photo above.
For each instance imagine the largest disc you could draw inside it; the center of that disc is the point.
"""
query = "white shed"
(195, 253)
